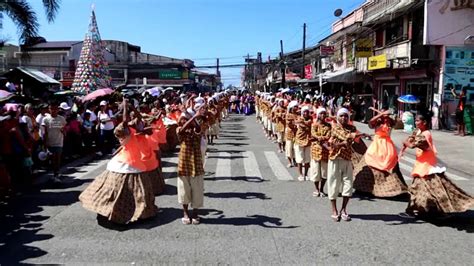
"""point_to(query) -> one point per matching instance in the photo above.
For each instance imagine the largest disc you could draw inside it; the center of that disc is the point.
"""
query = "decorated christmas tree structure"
(92, 71)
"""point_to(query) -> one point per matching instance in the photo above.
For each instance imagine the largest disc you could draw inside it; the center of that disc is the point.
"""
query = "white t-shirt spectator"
(39, 121)
(93, 116)
(106, 116)
(54, 126)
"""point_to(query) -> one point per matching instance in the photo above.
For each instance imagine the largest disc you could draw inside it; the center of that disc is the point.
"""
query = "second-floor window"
(394, 31)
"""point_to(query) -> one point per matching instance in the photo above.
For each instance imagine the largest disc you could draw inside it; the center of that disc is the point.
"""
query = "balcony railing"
(378, 8)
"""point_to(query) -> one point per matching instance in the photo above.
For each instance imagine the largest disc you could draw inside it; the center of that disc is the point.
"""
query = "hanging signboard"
(363, 48)
(170, 74)
(308, 72)
(326, 50)
(377, 62)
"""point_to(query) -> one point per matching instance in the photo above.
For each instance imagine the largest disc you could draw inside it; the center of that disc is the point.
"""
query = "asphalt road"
(255, 213)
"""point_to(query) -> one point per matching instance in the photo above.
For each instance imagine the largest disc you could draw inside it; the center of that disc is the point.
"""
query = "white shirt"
(106, 116)
(93, 115)
(39, 121)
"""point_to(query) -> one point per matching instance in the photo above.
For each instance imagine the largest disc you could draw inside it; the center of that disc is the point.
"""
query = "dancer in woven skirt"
(190, 165)
(280, 124)
(378, 172)
(123, 193)
(431, 193)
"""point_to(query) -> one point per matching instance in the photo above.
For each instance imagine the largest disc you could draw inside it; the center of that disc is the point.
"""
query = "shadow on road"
(238, 195)
(461, 221)
(260, 220)
(252, 179)
(22, 225)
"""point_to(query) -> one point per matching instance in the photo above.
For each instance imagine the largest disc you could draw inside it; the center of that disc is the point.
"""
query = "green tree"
(24, 17)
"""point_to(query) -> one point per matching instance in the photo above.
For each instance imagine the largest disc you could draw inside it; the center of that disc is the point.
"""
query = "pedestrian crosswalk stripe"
(251, 166)
(280, 172)
(223, 169)
(449, 175)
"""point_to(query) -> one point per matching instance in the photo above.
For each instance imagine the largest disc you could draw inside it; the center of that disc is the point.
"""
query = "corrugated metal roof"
(38, 75)
(51, 45)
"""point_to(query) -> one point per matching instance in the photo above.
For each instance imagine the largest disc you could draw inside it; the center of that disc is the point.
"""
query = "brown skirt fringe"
(378, 183)
(437, 194)
(122, 198)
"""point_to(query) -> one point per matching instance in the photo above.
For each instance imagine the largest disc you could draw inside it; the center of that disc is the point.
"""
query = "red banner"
(308, 72)
(326, 50)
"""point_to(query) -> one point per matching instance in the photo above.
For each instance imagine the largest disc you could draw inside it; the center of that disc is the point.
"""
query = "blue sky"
(201, 30)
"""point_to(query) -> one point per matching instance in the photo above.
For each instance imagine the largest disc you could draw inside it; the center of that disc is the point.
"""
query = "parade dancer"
(190, 165)
(290, 132)
(213, 122)
(378, 172)
(302, 143)
(320, 135)
(123, 193)
(280, 125)
(340, 166)
(431, 193)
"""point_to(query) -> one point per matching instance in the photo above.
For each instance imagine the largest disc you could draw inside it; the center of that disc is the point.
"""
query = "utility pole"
(304, 50)
(218, 74)
(282, 66)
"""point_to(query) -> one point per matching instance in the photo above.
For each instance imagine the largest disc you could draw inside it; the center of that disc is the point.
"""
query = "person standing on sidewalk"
(54, 131)
(320, 135)
(190, 165)
(460, 110)
(340, 176)
(431, 193)
(105, 118)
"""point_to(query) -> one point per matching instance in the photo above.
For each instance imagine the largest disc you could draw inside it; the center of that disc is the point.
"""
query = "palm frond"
(24, 17)
(51, 8)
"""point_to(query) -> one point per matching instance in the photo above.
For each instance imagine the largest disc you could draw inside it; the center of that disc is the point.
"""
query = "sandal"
(336, 218)
(289, 165)
(345, 217)
(323, 195)
(185, 220)
(196, 220)
(316, 194)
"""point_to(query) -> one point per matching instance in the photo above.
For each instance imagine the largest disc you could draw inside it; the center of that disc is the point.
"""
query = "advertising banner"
(378, 62)
(308, 72)
(363, 48)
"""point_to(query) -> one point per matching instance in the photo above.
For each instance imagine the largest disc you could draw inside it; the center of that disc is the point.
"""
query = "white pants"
(339, 178)
(289, 149)
(191, 191)
(318, 170)
(302, 154)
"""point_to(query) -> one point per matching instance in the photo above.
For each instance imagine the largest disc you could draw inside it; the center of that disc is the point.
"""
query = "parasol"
(68, 92)
(411, 99)
(97, 93)
(5, 95)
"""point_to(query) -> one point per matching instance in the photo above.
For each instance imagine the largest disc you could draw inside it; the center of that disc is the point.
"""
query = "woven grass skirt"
(378, 183)
(157, 181)
(437, 194)
(122, 198)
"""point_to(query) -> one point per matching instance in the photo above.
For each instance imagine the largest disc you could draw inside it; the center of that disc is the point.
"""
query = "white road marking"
(223, 169)
(277, 167)
(251, 166)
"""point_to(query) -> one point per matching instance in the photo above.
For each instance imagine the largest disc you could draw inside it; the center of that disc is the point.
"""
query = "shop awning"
(38, 75)
(346, 75)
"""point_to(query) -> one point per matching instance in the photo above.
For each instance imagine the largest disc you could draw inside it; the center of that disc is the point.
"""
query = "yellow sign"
(363, 48)
(378, 62)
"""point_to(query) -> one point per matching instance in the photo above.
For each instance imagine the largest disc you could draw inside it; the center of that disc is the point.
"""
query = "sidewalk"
(454, 152)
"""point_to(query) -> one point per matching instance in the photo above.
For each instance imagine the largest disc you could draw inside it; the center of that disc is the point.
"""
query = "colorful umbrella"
(411, 99)
(5, 95)
(68, 92)
(96, 94)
